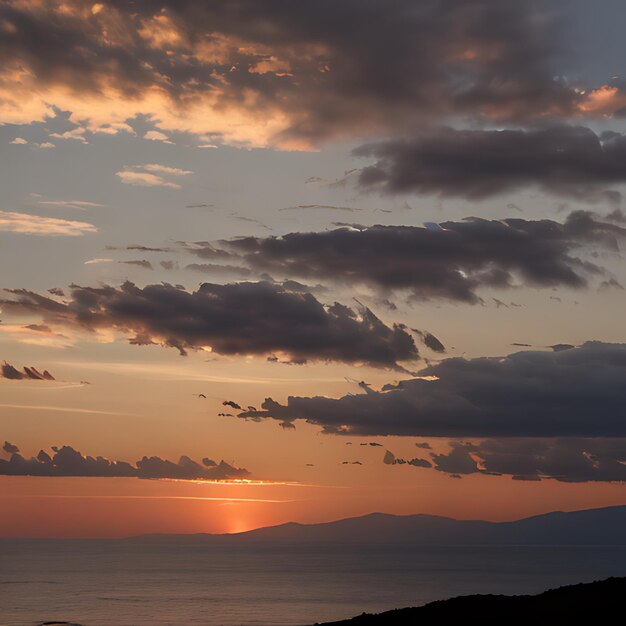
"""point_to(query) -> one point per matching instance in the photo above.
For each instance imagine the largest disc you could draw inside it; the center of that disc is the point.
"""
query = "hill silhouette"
(575, 604)
(603, 526)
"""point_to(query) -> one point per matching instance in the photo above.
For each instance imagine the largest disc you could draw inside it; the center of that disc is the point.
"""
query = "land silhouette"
(573, 604)
(603, 526)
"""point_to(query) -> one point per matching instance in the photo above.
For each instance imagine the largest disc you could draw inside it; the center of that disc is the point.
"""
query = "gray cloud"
(10, 448)
(475, 164)
(429, 340)
(563, 459)
(139, 263)
(214, 268)
(451, 261)
(66, 461)
(391, 459)
(238, 319)
(10, 372)
(330, 68)
(572, 393)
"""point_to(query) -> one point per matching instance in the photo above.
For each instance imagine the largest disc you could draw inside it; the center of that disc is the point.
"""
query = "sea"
(161, 583)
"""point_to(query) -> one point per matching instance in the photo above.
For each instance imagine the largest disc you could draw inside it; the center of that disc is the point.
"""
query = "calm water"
(98, 583)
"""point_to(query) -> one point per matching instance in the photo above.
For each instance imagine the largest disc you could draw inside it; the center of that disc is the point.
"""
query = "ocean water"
(118, 583)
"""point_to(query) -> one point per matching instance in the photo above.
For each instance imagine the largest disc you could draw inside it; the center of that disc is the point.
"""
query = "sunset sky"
(295, 261)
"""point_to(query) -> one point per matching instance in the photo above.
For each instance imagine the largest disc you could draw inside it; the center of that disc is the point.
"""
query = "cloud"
(232, 404)
(155, 135)
(288, 74)
(453, 261)
(571, 393)
(98, 261)
(26, 373)
(145, 179)
(139, 248)
(9, 448)
(139, 263)
(237, 319)
(77, 134)
(563, 459)
(214, 268)
(27, 224)
(66, 461)
(35, 334)
(70, 204)
(429, 340)
(163, 169)
(151, 175)
(390, 459)
(19, 141)
(567, 160)
(330, 207)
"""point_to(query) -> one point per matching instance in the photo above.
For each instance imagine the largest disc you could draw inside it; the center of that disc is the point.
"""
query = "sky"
(282, 261)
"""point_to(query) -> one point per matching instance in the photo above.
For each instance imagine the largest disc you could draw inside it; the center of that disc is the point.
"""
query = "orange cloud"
(27, 224)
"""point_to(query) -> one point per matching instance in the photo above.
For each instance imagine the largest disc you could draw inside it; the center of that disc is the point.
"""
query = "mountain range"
(602, 526)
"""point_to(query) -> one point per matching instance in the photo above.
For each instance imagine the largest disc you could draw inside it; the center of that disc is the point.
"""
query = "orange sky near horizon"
(122, 507)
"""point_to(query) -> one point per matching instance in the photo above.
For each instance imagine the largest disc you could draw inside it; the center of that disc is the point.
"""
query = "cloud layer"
(66, 461)
(449, 261)
(474, 164)
(566, 460)
(273, 71)
(27, 224)
(569, 459)
(27, 373)
(234, 319)
(578, 392)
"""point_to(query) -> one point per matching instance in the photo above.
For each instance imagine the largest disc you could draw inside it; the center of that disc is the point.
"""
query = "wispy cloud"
(77, 134)
(163, 169)
(151, 175)
(155, 135)
(70, 204)
(27, 224)
(97, 261)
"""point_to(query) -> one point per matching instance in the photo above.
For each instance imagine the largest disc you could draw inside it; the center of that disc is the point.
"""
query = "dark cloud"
(10, 372)
(138, 248)
(10, 448)
(330, 207)
(391, 459)
(457, 461)
(330, 69)
(232, 404)
(475, 164)
(452, 261)
(66, 461)
(611, 283)
(238, 319)
(563, 459)
(214, 268)
(560, 347)
(139, 263)
(429, 340)
(572, 393)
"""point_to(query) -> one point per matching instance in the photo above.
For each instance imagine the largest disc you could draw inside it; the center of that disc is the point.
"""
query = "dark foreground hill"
(594, 603)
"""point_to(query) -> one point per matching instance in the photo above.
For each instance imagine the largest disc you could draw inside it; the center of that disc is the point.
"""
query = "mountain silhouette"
(604, 526)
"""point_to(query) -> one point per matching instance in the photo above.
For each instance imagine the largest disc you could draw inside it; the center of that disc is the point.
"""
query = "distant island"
(599, 602)
(604, 526)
